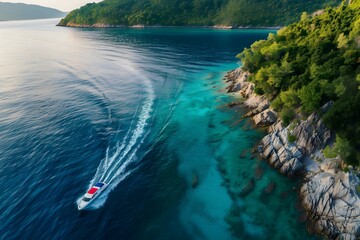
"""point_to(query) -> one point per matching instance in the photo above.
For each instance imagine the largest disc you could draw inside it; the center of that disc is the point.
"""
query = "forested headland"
(259, 13)
(310, 63)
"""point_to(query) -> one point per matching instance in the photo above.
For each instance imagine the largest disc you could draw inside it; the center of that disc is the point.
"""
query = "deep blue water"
(142, 109)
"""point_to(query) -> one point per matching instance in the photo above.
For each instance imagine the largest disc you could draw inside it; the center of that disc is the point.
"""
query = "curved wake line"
(137, 133)
(115, 167)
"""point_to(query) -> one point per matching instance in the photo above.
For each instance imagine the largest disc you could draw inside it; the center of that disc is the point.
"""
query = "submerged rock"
(302, 218)
(259, 172)
(194, 181)
(247, 188)
(232, 104)
(269, 188)
(244, 153)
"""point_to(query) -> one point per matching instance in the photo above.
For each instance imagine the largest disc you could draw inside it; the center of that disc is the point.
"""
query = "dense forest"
(194, 12)
(310, 63)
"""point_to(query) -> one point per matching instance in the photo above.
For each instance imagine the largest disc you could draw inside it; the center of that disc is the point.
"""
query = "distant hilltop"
(21, 11)
(227, 13)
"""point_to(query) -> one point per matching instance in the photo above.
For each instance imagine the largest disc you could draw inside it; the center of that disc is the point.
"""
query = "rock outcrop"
(262, 106)
(281, 153)
(237, 79)
(333, 203)
(285, 147)
(287, 156)
(247, 188)
(265, 118)
(259, 105)
(311, 134)
(328, 194)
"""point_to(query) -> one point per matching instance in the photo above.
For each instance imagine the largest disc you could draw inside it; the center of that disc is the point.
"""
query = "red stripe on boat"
(92, 190)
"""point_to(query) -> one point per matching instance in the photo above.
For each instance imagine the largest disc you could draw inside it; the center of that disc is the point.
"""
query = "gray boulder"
(265, 118)
(334, 204)
(237, 79)
(281, 154)
(291, 167)
(261, 107)
(311, 134)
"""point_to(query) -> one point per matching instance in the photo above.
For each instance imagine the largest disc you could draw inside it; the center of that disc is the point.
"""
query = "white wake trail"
(114, 168)
(137, 133)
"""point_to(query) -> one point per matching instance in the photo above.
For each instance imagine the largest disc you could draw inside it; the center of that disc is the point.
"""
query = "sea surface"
(144, 110)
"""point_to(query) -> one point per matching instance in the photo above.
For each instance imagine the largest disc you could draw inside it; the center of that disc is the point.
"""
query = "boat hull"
(91, 195)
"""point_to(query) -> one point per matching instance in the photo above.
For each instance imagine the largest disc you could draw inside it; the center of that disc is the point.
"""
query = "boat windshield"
(99, 184)
(85, 199)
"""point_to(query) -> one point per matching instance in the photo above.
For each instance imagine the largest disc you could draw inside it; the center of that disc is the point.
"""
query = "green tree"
(310, 98)
(287, 115)
(342, 41)
(304, 16)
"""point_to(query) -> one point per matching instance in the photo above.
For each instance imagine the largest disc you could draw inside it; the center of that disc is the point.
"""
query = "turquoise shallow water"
(146, 111)
(220, 155)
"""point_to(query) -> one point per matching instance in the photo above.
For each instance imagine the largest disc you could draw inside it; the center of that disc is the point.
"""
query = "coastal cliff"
(328, 194)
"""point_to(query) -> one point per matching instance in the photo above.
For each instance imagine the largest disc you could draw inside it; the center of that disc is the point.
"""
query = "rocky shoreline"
(328, 194)
(104, 25)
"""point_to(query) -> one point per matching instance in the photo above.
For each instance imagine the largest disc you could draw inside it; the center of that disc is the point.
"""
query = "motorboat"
(91, 194)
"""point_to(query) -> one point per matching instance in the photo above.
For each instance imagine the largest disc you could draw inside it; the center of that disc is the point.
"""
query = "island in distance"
(21, 11)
